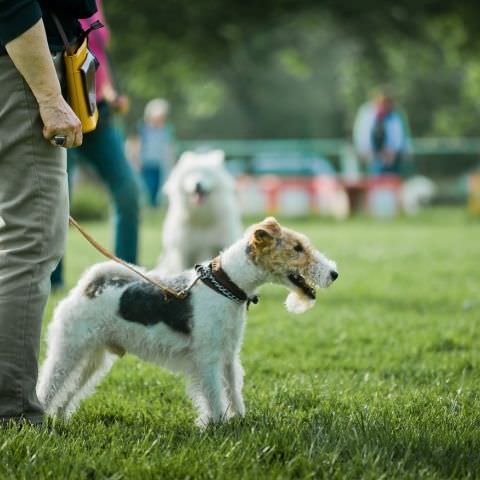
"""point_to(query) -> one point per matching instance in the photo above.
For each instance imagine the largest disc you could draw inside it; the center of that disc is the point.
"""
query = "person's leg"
(33, 225)
(103, 148)
(158, 179)
(148, 176)
(56, 278)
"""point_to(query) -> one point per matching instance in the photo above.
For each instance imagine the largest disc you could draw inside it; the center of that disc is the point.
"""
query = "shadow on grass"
(338, 435)
(356, 442)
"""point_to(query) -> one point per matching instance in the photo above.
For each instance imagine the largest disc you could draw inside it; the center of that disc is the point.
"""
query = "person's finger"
(69, 140)
(78, 139)
(48, 133)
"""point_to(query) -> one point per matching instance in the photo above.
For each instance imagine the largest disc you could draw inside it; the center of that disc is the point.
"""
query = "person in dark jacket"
(33, 185)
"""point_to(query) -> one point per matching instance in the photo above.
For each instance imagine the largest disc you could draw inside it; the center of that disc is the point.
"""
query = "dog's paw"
(237, 410)
(203, 421)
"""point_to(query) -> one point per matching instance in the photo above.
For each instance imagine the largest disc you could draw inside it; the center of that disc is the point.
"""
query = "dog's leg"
(233, 374)
(195, 393)
(211, 387)
(94, 370)
(57, 374)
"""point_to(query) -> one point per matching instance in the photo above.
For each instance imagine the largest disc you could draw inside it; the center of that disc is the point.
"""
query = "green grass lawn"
(380, 379)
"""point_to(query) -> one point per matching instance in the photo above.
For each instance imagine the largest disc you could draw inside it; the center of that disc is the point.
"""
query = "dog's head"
(288, 258)
(198, 177)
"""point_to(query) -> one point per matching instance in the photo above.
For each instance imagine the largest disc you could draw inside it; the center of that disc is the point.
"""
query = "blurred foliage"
(278, 68)
(90, 202)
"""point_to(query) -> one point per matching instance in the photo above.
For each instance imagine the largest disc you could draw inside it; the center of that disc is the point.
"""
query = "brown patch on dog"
(98, 285)
(280, 250)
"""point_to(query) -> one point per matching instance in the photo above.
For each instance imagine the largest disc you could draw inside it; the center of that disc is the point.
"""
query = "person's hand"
(121, 104)
(388, 157)
(59, 119)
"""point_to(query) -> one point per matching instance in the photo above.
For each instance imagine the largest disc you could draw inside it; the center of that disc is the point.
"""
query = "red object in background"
(357, 193)
(288, 195)
(360, 191)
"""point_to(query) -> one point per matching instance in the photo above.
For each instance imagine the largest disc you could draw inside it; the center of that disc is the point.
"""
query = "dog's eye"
(298, 247)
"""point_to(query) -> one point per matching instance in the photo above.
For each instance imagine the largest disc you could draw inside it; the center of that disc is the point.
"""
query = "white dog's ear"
(217, 157)
(186, 157)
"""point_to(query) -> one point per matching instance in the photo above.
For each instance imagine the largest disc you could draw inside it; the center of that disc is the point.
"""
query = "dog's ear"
(266, 231)
(217, 157)
(264, 234)
(271, 225)
(261, 235)
(187, 157)
(262, 238)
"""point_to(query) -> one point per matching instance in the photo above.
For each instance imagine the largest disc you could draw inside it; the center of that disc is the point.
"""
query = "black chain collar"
(219, 281)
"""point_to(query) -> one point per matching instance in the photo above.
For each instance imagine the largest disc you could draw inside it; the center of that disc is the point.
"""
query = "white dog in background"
(417, 192)
(203, 216)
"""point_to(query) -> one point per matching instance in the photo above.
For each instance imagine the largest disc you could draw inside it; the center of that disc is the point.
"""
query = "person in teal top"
(156, 149)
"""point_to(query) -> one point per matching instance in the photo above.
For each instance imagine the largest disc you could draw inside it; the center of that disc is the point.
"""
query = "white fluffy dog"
(203, 216)
(417, 192)
(111, 312)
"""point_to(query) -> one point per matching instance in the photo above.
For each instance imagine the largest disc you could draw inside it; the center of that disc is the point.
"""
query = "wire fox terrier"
(111, 312)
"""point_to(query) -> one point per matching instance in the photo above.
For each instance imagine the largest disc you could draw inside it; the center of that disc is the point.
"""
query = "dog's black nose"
(333, 275)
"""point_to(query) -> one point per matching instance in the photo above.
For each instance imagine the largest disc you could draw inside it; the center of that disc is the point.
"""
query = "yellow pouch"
(80, 67)
(80, 79)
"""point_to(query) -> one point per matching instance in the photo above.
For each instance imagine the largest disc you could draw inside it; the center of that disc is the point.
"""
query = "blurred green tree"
(279, 69)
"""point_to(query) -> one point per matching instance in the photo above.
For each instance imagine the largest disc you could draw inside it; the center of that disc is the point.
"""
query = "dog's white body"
(89, 327)
(203, 216)
(417, 192)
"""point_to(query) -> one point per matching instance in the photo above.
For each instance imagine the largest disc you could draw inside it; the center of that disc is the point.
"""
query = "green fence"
(437, 156)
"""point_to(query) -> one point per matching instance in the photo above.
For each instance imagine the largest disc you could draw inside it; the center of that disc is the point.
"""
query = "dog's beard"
(298, 302)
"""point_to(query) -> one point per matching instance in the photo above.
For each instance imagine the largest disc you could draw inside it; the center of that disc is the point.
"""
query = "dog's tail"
(108, 271)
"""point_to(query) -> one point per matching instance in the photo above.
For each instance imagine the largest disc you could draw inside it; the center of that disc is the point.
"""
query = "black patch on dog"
(146, 304)
(99, 284)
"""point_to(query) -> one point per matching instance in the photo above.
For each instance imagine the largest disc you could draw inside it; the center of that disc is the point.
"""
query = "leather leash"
(167, 290)
(213, 276)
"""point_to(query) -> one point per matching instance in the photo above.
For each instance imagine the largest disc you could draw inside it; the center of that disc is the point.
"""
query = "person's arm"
(31, 56)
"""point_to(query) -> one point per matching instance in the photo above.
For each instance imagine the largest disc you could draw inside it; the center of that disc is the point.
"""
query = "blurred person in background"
(156, 147)
(103, 149)
(380, 135)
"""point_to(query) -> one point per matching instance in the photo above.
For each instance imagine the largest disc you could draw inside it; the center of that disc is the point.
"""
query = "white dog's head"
(288, 258)
(199, 179)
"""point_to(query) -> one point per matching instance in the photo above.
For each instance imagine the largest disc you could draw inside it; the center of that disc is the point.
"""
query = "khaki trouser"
(33, 223)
